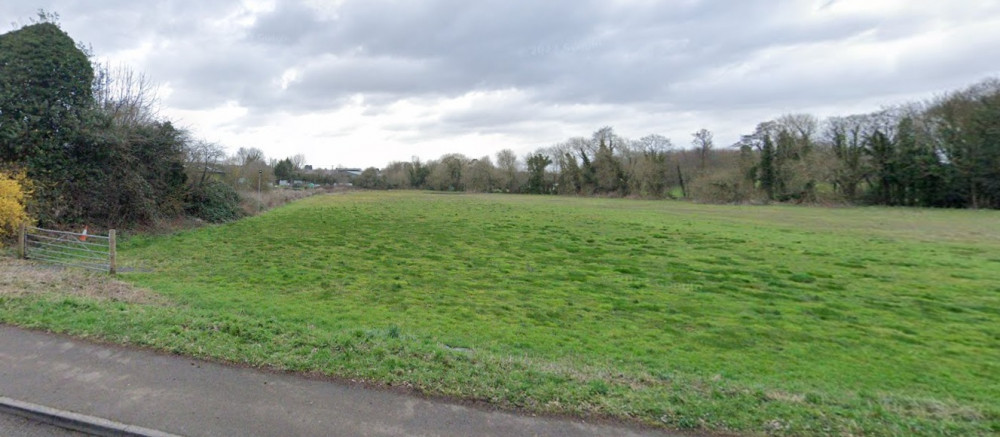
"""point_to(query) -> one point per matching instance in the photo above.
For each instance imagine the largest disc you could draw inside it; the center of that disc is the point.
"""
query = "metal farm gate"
(88, 251)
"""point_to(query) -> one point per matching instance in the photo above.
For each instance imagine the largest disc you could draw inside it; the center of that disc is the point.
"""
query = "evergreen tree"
(536, 173)
(768, 177)
(284, 170)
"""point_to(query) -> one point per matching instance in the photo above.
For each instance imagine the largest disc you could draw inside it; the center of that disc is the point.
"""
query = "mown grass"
(774, 320)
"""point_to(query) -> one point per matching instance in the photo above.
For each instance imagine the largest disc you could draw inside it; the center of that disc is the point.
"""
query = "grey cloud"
(644, 56)
(207, 75)
(288, 25)
(340, 77)
(113, 25)
(583, 52)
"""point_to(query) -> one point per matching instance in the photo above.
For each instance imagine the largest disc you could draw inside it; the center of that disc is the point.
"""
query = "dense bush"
(214, 202)
(722, 187)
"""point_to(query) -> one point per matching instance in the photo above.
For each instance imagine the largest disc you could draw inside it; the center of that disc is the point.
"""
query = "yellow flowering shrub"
(15, 188)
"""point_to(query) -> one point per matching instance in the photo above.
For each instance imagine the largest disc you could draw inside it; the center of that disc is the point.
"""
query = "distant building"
(348, 172)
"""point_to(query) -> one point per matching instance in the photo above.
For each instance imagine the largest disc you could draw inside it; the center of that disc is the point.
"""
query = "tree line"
(85, 139)
(941, 153)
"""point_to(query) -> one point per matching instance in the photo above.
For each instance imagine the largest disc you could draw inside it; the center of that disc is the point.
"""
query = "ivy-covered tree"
(967, 124)
(46, 105)
(536, 173)
(845, 135)
(767, 170)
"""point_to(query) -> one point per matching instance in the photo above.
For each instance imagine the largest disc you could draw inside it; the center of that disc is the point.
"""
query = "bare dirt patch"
(20, 278)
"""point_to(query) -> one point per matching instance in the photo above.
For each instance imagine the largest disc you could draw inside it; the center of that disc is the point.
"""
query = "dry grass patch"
(22, 278)
(252, 204)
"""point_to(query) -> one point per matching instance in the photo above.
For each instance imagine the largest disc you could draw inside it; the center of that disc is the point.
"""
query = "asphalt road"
(189, 397)
(16, 426)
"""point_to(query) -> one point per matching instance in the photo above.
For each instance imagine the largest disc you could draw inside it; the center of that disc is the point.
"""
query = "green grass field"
(767, 320)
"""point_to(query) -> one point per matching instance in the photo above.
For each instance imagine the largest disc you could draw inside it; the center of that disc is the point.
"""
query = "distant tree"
(247, 167)
(606, 167)
(921, 174)
(203, 157)
(881, 147)
(418, 173)
(536, 173)
(397, 175)
(248, 156)
(588, 174)
(802, 128)
(370, 178)
(785, 170)
(703, 144)
(652, 173)
(846, 136)
(507, 166)
(454, 166)
(967, 125)
(605, 136)
(767, 169)
(570, 178)
(784, 155)
(447, 174)
(748, 170)
(480, 175)
(298, 162)
(284, 170)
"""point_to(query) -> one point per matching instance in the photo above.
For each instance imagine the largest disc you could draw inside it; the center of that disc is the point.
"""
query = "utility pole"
(260, 200)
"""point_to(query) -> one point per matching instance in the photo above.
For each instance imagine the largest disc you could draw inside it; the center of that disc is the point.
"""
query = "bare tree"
(606, 137)
(479, 176)
(248, 155)
(247, 167)
(507, 164)
(397, 175)
(447, 174)
(846, 136)
(298, 161)
(652, 165)
(127, 96)
(702, 143)
(609, 174)
(655, 143)
(202, 157)
(802, 126)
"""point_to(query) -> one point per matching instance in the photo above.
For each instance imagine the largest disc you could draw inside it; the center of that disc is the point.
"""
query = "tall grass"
(254, 203)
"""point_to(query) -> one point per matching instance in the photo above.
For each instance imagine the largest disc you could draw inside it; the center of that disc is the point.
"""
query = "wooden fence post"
(112, 252)
(22, 237)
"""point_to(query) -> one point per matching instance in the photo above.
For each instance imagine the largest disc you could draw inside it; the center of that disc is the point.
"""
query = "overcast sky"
(362, 83)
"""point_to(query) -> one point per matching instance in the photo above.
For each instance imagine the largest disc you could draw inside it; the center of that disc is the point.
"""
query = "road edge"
(75, 421)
